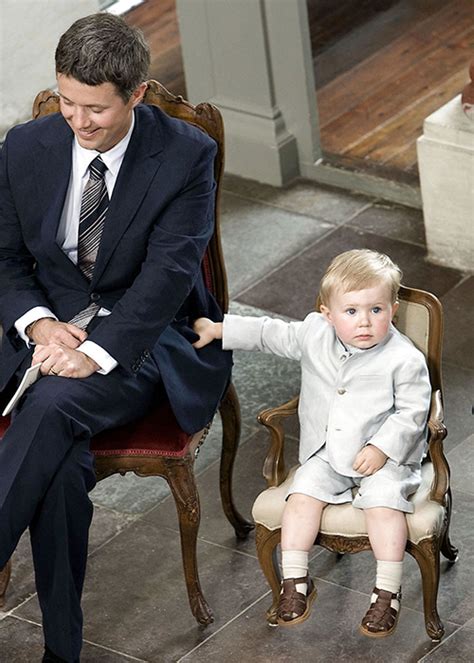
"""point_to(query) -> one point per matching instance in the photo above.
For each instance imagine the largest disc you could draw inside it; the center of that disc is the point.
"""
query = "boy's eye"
(376, 309)
(350, 311)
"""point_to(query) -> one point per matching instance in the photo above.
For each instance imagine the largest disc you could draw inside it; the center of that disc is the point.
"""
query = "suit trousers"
(46, 472)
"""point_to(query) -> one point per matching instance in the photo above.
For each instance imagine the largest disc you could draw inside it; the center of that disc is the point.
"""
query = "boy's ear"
(326, 313)
(395, 306)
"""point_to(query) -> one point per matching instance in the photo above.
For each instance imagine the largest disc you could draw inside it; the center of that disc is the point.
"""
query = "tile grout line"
(439, 644)
(285, 262)
(321, 219)
(89, 642)
(242, 612)
(392, 239)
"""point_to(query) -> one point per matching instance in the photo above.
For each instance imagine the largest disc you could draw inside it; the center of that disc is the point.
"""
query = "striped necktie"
(94, 206)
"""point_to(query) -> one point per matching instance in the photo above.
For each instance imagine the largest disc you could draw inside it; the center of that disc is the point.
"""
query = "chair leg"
(267, 541)
(230, 414)
(446, 547)
(426, 554)
(180, 476)
(4, 580)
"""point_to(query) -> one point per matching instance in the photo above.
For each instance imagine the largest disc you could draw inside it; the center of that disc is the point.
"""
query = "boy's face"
(362, 317)
(97, 114)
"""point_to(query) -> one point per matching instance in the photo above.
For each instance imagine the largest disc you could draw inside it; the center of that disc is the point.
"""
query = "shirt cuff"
(28, 318)
(99, 355)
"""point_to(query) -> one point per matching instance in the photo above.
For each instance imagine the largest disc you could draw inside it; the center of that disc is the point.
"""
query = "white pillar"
(30, 30)
(252, 59)
(446, 165)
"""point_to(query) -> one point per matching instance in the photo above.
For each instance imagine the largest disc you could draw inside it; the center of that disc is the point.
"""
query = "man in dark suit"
(106, 210)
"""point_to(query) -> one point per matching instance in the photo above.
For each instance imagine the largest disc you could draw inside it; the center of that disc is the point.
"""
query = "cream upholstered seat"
(344, 520)
(343, 528)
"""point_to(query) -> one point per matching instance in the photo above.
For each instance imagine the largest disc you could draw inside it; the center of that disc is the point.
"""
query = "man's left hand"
(63, 361)
(369, 460)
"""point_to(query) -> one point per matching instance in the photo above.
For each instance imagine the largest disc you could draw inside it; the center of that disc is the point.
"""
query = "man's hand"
(207, 330)
(63, 361)
(369, 460)
(47, 330)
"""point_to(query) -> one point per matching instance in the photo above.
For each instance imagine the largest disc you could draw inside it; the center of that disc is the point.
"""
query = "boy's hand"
(369, 460)
(207, 330)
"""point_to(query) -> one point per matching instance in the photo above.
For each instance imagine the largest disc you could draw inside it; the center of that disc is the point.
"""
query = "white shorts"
(388, 487)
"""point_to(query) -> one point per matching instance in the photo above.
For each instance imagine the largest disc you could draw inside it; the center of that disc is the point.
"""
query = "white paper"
(31, 375)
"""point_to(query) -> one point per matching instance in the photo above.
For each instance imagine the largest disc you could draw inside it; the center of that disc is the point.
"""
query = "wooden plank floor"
(387, 76)
(159, 23)
(380, 66)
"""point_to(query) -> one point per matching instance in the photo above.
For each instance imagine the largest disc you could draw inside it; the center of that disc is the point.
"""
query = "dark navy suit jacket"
(147, 272)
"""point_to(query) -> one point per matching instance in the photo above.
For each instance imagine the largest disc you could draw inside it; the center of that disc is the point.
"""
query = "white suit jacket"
(379, 396)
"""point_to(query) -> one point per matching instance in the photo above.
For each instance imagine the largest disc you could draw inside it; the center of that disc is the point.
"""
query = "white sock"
(389, 577)
(295, 565)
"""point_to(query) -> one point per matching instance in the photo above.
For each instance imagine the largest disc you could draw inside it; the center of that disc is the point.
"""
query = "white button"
(341, 391)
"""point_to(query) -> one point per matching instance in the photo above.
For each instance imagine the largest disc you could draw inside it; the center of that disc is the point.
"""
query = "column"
(252, 59)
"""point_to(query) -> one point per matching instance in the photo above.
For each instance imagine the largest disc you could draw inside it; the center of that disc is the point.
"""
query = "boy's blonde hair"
(359, 269)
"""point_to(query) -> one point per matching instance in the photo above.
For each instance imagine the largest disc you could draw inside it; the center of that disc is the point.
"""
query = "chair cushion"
(345, 520)
(157, 434)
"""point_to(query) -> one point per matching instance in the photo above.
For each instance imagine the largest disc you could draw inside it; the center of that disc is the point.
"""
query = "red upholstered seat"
(157, 434)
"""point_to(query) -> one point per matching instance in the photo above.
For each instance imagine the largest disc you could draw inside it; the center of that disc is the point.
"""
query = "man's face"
(361, 318)
(97, 114)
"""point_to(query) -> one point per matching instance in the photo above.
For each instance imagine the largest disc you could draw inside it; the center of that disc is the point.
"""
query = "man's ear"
(138, 94)
(326, 313)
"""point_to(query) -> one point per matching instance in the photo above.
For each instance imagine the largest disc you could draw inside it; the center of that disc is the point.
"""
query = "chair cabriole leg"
(426, 553)
(267, 541)
(230, 414)
(180, 477)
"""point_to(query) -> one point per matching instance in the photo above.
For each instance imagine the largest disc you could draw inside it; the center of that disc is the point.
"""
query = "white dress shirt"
(68, 233)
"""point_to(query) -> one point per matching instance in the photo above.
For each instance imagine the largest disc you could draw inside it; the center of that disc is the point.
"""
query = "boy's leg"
(315, 484)
(300, 526)
(387, 530)
(384, 498)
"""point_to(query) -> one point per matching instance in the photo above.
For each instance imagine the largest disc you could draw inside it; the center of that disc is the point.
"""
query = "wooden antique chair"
(155, 445)
(343, 527)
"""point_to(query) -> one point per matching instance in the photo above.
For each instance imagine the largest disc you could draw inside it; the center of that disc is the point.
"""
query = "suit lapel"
(53, 171)
(139, 166)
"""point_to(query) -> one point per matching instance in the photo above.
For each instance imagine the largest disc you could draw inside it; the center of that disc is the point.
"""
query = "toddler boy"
(365, 397)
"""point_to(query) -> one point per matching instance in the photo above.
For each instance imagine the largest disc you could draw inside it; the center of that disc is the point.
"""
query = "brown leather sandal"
(294, 607)
(4, 578)
(381, 619)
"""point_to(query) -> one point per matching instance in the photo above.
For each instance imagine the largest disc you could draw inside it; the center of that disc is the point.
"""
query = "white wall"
(29, 32)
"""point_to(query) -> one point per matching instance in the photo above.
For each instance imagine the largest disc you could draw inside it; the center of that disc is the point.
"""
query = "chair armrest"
(437, 433)
(274, 470)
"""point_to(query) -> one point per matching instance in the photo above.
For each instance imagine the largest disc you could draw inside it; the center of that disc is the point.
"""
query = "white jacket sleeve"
(405, 429)
(265, 334)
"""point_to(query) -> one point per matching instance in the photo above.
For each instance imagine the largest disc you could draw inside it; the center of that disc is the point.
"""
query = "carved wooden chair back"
(155, 445)
(343, 530)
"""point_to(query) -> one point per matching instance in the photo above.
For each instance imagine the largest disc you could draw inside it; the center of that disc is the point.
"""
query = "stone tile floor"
(277, 243)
